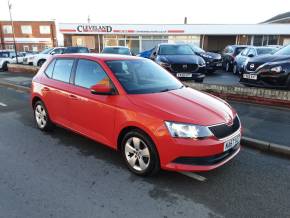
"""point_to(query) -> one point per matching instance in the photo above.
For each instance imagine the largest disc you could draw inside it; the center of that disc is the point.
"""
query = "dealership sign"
(176, 29)
(94, 28)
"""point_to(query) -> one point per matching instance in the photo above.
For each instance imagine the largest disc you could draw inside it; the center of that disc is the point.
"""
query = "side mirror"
(102, 89)
(153, 56)
(52, 53)
(250, 55)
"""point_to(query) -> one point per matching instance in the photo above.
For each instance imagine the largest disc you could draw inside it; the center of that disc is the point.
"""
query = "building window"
(9, 47)
(272, 40)
(7, 29)
(26, 29)
(25, 47)
(44, 29)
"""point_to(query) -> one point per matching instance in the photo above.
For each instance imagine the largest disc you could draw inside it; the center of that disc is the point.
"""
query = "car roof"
(104, 57)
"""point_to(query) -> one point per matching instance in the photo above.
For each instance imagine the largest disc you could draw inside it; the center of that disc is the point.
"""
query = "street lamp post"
(13, 32)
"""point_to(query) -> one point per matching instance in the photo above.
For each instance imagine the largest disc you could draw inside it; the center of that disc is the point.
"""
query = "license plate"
(219, 64)
(250, 76)
(232, 142)
(184, 75)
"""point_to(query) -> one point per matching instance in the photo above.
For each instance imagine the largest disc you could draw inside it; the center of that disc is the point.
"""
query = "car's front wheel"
(228, 67)
(235, 69)
(140, 154)
(41, 116)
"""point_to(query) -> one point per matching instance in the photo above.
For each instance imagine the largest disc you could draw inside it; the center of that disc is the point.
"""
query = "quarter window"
(49, 69)
(89, 73)
(62, 69)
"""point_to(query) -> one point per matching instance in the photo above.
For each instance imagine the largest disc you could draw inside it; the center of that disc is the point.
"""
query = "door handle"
(73, 97)
(46, 89)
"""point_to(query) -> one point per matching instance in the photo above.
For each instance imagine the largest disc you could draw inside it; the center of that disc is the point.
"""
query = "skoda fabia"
(135, 106)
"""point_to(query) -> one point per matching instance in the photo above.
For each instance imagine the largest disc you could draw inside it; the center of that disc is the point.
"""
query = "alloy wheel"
(40, 116)
(137, 154)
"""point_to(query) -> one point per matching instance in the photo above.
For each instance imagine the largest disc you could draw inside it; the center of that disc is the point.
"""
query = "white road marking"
(194, 176)
(3, 105)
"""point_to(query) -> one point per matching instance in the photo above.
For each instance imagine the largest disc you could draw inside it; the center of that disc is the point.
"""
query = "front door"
(90, 114)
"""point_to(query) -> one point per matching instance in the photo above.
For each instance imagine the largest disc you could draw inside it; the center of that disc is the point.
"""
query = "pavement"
(221, 77)
(62, 174)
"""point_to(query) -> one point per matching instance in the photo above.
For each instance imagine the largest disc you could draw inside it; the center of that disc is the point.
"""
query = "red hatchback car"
(135, 106)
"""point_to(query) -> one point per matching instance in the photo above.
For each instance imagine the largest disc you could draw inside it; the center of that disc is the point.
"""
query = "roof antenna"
(89, 19)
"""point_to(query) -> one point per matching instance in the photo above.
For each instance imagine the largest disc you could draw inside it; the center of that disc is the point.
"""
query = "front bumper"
(196, 75)
(196, 155)
(214, 65)
(267, 81)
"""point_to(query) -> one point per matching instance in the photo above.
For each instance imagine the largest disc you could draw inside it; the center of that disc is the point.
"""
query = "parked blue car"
(146, 54)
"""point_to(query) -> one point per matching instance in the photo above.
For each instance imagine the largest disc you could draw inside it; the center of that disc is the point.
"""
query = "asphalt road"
(61, 174)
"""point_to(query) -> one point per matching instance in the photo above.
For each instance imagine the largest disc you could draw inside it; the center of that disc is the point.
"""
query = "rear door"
(56, 89)
(91, 114)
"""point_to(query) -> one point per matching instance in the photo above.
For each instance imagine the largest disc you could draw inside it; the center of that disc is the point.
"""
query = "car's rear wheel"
(140, 154)
(41, 116)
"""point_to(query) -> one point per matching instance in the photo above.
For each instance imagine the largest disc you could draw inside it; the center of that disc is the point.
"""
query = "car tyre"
(199, 80)
(210, 71)
(140, 153)
(235, 69)
(40, 63)
(228, 67)
(41, 116)
(288, 83)
(5, 66)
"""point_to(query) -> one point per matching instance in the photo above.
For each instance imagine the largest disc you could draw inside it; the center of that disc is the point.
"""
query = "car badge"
(184, 66)
(252, 66)
(229, 120)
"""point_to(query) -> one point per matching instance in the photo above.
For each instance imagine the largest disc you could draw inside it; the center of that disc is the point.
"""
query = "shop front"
(145, 36)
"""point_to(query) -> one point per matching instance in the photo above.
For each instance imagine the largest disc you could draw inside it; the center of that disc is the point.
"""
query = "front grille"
(206, 161)
(184, 67)
(223, 130)
(253, 66)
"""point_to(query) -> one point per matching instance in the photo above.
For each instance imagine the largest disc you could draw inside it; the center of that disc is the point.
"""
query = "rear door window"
(89, 73)
(62, 69)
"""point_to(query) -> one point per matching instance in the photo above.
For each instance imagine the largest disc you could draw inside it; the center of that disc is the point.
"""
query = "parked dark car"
(121, 50)
(229, 54)
(179, 60)
(250, 52)
(271, 71)
(146, 54)
(76, 49)
(213, 60)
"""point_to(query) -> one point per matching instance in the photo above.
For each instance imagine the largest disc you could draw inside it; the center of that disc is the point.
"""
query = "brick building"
(29, 35)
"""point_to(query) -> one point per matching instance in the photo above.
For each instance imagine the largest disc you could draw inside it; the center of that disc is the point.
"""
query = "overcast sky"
(146, 11)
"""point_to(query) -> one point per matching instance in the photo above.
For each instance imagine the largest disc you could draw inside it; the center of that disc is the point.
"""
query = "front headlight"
(206, 56)
(277, 69)
(163, 64)
(181, 130)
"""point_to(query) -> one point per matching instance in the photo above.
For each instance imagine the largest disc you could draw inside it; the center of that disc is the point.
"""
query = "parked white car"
(38, 59)
(9, 57)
